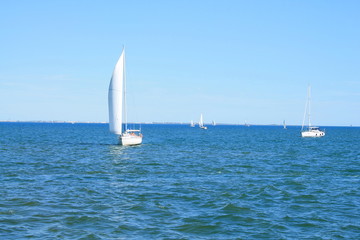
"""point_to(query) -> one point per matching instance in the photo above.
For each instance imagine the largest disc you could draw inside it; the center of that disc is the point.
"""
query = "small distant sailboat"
(284, 125)
(192, 124)
(117, 106)
(201, 122)
(310, 131)
(213, 123)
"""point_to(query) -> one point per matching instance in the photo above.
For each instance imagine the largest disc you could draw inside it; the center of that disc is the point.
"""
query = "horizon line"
(168, 123)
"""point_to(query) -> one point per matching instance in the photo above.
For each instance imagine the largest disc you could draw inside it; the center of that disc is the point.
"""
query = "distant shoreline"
(165, 123)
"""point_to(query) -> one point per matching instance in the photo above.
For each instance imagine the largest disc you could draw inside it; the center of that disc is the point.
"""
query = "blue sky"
(233, 61)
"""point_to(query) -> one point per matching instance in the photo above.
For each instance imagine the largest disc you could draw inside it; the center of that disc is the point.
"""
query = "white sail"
(201, 122)
(117, 104)
(116, 97)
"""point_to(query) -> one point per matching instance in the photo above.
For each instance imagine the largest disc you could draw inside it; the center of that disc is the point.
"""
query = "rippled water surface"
(72, 181)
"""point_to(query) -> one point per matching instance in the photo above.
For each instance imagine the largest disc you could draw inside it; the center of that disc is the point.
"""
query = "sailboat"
(192, 124)
(201, 122)
(284, 124)
(117, 106)
(213, 123)
(310, 131)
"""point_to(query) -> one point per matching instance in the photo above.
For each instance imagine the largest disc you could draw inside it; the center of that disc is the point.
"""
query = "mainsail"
(116, 96)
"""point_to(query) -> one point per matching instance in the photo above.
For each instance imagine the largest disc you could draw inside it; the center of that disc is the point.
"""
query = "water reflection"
(116, 149)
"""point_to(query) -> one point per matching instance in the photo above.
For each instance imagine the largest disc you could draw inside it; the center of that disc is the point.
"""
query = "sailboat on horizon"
(284, 125)
(201, 123)
(117, 106)
(310, 131)
(192, 124)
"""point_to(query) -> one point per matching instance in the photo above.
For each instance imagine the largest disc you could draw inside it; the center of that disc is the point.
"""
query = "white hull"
(313, 133)
(129, 140)
(203, 127)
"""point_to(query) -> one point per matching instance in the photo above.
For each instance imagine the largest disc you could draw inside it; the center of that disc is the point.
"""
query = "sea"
(73, 181)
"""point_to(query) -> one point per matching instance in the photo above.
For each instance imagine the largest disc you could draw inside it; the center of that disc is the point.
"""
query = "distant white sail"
(201, 122)
(115, 97)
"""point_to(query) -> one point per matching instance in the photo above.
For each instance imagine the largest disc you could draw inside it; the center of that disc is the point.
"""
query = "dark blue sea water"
(72, 181)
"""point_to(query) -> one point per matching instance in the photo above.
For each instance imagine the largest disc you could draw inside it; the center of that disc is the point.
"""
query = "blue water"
(72, 181)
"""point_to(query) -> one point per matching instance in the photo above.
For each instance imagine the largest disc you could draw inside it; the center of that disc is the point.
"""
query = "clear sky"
(233, 61)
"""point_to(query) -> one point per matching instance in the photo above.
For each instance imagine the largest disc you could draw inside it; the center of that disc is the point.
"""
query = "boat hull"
(316, 133)
(130, 140)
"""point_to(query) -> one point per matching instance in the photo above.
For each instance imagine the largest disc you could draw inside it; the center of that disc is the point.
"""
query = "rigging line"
(305, 113)
(130, 100)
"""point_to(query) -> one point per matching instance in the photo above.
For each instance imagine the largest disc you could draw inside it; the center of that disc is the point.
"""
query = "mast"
(309, 94)
(124, 94)
(306, 112)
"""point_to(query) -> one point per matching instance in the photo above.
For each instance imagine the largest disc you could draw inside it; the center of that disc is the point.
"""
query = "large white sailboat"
(117, 106)
(201, 122)
(310, 131)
